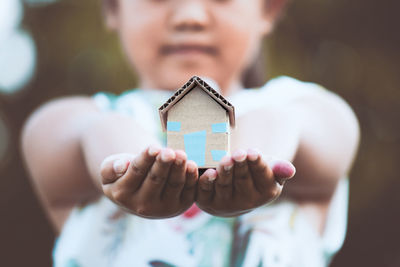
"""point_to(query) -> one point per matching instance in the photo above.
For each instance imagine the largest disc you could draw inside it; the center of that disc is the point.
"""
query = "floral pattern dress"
(276, 235)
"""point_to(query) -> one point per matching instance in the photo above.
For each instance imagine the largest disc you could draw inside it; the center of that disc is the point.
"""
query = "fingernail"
(252, 154)
(120, 166)
(191, 166)
(239, 155)
(212, 179)
(178, 161)
(212, 176)
(227, 168)
(153, 151)
(167, 155)
(190, 169)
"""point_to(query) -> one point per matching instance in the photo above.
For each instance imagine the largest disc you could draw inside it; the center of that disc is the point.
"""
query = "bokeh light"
(17, 61)
(17, 49)
(10, 17)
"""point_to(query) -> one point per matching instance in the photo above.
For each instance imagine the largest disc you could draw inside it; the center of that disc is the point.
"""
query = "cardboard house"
(198, 120)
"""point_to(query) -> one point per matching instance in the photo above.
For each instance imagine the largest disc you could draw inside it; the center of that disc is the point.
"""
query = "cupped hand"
(158, 183)
(241, 183)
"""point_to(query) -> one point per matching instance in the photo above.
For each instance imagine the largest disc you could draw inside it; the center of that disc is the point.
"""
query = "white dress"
(277, 235)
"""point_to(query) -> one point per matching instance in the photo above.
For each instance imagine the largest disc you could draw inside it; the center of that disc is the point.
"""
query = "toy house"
(198, 120)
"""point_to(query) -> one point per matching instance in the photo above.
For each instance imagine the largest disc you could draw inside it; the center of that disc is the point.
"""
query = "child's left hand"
(241, 183)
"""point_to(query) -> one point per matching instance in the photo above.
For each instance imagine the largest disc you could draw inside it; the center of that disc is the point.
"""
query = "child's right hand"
(158, 183)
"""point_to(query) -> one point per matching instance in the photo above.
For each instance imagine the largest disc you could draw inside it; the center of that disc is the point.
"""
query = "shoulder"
(59, 109)
(56, 115)
(277, 92)
(289, 89)
(308, 99)
(70, 105)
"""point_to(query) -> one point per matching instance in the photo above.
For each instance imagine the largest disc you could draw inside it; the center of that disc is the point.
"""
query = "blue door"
(195, 147)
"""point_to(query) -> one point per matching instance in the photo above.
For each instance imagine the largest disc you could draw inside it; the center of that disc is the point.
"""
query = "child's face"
(168, 41)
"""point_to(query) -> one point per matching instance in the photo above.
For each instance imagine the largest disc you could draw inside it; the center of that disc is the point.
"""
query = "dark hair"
(253, 76)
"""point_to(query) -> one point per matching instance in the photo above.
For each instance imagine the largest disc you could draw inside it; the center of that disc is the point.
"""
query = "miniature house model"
(198, 119)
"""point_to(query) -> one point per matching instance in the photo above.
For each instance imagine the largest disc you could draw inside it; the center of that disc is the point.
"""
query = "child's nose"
(190, 15)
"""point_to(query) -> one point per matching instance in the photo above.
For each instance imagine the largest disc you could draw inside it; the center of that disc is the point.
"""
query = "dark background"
(348, 46)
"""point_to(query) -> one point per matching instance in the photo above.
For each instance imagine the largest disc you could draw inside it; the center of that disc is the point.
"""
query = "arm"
(319, 133)
(60, 144)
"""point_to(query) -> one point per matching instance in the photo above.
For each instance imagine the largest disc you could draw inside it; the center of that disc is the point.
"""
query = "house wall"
(197, 112)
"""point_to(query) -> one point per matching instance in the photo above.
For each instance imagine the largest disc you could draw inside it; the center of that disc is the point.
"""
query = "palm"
(240, 183)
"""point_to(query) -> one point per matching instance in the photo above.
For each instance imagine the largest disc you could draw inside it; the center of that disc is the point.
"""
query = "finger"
(223, 183)
(262, 174)
(156, 178)
(283, 171)
(242, 181)
(206, 186)
(113, 167)
(176, 178)
(189, 191)
(138, 169)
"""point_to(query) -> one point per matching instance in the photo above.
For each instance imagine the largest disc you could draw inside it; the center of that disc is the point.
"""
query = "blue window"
(220, 127)
(173, 126)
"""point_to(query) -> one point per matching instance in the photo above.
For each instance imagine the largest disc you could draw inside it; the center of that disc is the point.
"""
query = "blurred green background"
(348, 46)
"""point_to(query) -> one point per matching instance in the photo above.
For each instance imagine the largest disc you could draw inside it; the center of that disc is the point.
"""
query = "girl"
(118, 198)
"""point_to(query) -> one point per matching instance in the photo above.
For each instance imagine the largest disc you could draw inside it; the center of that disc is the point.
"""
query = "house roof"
(180, 93)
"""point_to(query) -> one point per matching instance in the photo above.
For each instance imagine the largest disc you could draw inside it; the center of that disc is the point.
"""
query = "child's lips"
(188, 49)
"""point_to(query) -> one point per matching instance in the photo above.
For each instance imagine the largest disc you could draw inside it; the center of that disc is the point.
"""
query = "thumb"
(114, 166)
(282, 169)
